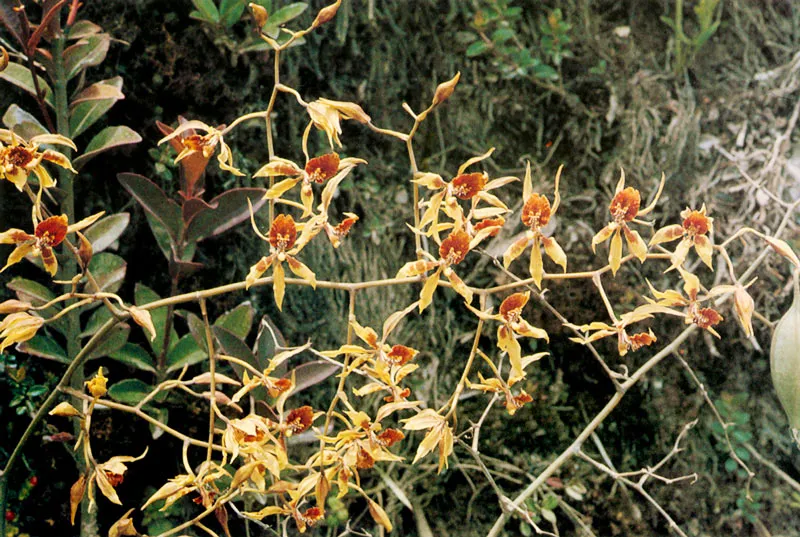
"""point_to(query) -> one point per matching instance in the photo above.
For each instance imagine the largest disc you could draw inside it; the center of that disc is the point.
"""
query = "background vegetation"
(712, 101)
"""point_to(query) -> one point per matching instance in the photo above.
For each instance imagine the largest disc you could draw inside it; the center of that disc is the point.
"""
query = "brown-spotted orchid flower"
(108, 476)
(624, 209)
(18, 158)
(47, 234)
(317, 170)
(293, 506)
(284, 246)
(498, 385)
(475, 187)
(536, 214)
(705, 318)
(439, 434)
(693, 232)
(513, 326)
(387, 364)
(204, 143)
(277, 388)
(599, 330)
(452, 251)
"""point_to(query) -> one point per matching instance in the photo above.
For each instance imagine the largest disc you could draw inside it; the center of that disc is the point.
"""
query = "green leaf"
(477, 48)
(742, 436)
(234, 345)
(134, 356)
(22, 122)
(109, 271)
(83, 29)
(20, 76)
(112, 342)
(501, 35)
(107, 139)
(106, 231)
(100, 317)
(162, 415)
(208, 10)
(93, 103)
(153, 200)
(144, 295)
(185, 352)
(549, 516)
(87, 52)
(730, 466)
(228, 209)
(282, 16)
(231, 11)
(239, 320)
(44, 347)
(545, 72)
(37, 294)
(129, 391)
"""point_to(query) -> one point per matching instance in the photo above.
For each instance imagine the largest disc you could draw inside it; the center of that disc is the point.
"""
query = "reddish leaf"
(227, 210)
(154, 201)
(33, 41)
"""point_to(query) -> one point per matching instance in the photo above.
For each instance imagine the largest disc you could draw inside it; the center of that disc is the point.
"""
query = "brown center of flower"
(195, 142)
(454, 248)
(283, 232)
(114, 479)
(389, 437)
(696, 223)
(706, 318)
(467, 185)
(536, 212)
(511, 308)
(401, 355)
(19, 156)
(299, 419)
(625, 205)
(52, 231)
(320, 169)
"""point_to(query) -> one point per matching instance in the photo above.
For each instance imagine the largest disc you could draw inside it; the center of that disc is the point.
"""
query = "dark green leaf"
(87, 52)
(230, 209)
(477, 48)
(239, 320)
(207, 9)
(234, 345)
(134, 356)
(282, 16)
(730, 466)
(100, 317)
(20, 76)
(83, 29)
(107, 139)
(231, 11)
(312, 373)
(106, 231)
(93, 103)
(22, 122)
(112, 342)
(501, 35)
(155, 202)
(144, 295)
(129, 391)
(185, 352)
(44, 347)
(109, 272)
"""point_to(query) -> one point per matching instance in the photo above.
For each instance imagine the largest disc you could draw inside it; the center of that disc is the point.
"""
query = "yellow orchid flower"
(19, 158)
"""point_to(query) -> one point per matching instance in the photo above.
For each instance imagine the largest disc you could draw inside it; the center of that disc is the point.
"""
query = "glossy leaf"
(106, 231)
(109, 271)
(150, 196)
(107, 139)
(185, 352)
(86, 52)
(312, 373)
(207, 10)
(134, 356)
(233, 345)
(144, 295)
(239, 320)
(231, 11)
(92, 104)
(112, 342)
(20, 76)
(100, 317)
(22, 122)
(129, 391)
(282, 16)
(230, 209)
(44, 347)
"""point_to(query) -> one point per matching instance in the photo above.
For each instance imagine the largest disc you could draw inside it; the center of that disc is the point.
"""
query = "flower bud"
(14, 306)
(783, 248)
(445, 90)
(85, 250)
(143, 319)
(326, 14)
(259, 14)
(784, 358)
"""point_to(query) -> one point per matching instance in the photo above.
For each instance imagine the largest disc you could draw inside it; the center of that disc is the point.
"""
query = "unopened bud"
(143, 319)
(445, 90)
(784, 361)
(14, 306)
(85, 251)
(259, 14)
(326, 14)
(783, 248)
